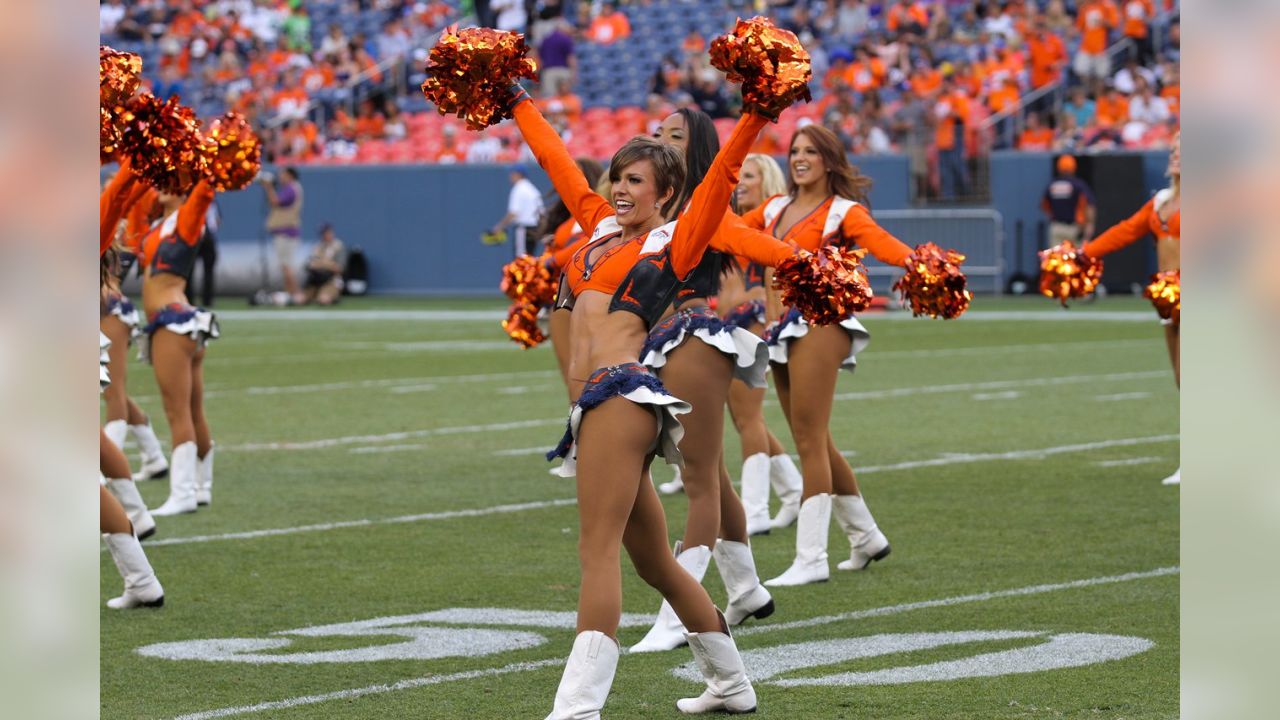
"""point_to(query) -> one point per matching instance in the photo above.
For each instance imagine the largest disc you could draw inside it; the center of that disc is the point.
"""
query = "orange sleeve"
(139, 214)
(587, 207)
(737, 238)
(755, 218)
(711, 197)
(564, 255)
(1122, 233)
(192, 213)
(861, 229)
(112, 204)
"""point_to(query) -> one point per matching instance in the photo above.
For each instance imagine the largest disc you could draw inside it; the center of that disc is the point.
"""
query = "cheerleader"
(119, 322)
(742, 301)
(1160, 216)
(697, 356)
(617, 285)
(174, 340)
(824, 203)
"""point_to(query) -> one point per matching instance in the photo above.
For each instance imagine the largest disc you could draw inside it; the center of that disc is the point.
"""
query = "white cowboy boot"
(866, 543)
(144, 526)
(747, 597)
(141, 587)
(588, 675)
(115, 430)
(788, 485)
(667, 632)
(154, 466)
(1174, 479)
(755, 493)
(182, 482)
(728, 688)
(204, 478)
(810, 565)
(675, 486)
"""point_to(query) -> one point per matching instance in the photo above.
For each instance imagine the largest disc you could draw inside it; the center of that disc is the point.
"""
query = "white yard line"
(1128, 461)
(374, 449)
(515, 452)
(871, 352)
(945, 460)
(412, 683)
(1122, 396)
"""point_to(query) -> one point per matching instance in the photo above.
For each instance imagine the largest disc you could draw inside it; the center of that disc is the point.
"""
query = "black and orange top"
(1167, 230)
(170, 247)
(837, 220)
(644, 273)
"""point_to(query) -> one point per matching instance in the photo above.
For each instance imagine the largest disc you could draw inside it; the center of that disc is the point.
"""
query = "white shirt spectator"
(264, 21)
(511, 14)
(484, 150)
(878, 141)
(1127, 82)
(1151, 110)
(1001, 24)
(525, 203)
(109, 16)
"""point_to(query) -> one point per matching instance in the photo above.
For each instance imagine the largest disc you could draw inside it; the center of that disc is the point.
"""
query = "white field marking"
(483, 315)
(426, 382)
(427, 345)
(516, 452)
(1003, 395)
(366, 522)
(988, 349)
(370, 690)
(861, 395)
(406, 389)
(405, 435)
(958, 600)
(519, 667)
(965, 458)
(514, 390)
(997, 385)
(1122, 396)
(386, 448)
(1128, 461)
(945, 459)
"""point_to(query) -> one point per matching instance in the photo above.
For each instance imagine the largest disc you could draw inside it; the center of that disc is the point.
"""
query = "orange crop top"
(170, 246)
(673, 249)
(845, 222)
(1146, 220)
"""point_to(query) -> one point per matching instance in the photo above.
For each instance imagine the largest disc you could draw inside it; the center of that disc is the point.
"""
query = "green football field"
(385, 540)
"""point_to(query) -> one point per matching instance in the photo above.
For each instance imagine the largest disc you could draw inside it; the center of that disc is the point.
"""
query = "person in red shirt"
(908, 17)
(951, 112)
(1005, 96)
(1036, 136)
(1094, 20)
(609, 26)
(1137, 26)
(1047, 53)
(369, 122)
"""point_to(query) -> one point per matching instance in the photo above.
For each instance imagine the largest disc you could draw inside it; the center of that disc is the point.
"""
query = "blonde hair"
(604, 184)
(772, 180)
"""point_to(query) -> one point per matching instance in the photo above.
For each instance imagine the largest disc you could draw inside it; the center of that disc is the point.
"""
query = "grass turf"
(324, 421)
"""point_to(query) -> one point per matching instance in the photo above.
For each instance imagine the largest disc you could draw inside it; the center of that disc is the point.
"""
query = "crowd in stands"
(941, 81)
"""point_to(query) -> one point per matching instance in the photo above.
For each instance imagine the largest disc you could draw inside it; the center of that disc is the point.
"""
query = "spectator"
(1094, 19)
(511, 15)
(393, 41)
(1172, 49)
(565, 102)
(708, 92)
(450, 153)
(951, 111)
(1068, 204)
(110, 14)
(558, 61)
(1137, 27)
(1067, 137)
(866, 72)
(484, 149)
(1079, 106)
(284, 221)
(297, 29)
(334, 42)
(370, 124)
(1056, 19)
(524, 210)
(1146, 110)
(1048, 54)
(1111, 111)
(323, 284)
(1126, 81)
(853, 18)
(1170, 90)
(298, 141)
(910, 127)
(547, 15)
(908, 17)
(393, 128)
(1005, 96)
(1035, 136)
(610, 26)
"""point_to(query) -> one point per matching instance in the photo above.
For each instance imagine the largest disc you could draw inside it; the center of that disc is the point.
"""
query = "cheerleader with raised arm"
(825, 203)
(697, 356)
(120, 321)
(1161, 217)
(765, 461)
(617, 285)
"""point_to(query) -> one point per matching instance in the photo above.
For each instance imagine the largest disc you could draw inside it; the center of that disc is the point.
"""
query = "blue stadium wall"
(420, 226)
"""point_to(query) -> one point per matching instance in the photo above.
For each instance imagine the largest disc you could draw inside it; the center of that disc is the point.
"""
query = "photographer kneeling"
(325, 266)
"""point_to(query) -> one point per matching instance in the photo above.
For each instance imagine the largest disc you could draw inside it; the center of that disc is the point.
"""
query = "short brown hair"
(843, 178)
(668, 166)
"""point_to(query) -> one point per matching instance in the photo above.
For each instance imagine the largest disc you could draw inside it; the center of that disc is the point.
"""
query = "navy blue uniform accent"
(699, 318)
(746, 314)
(605, 383)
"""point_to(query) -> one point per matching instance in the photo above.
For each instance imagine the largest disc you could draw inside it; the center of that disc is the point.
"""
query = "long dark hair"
(703, 145)
(559, 212)
(843, 177)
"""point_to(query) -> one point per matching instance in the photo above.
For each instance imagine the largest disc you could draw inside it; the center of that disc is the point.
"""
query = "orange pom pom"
(1066, 272)
(770, 63)
(522, 325)
(934, 284)
(527, 280)
(238, 156)
(1165, 292)
(470, 73)
(826, 286)
(108, 135)
(164, 143)
(119, 74)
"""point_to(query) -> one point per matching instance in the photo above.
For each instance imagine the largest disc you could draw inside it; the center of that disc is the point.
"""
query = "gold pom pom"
(470, 73)
(164, 144)
(1066, 272)
(934, 284)
(826, 286)
(1165, 293)
(770, 63)
(527, 280)
(238, 156)
(522, 325)
(119, 74)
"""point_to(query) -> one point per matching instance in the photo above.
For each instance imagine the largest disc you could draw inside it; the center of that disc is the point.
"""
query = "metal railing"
(978, 233)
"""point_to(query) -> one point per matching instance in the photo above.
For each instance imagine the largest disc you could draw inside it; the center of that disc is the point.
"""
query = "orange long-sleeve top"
(138, 219)
(187, 229)
(857, 228)
(1135, 227)
(565, 242)
(112, 204)
(689, 238)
